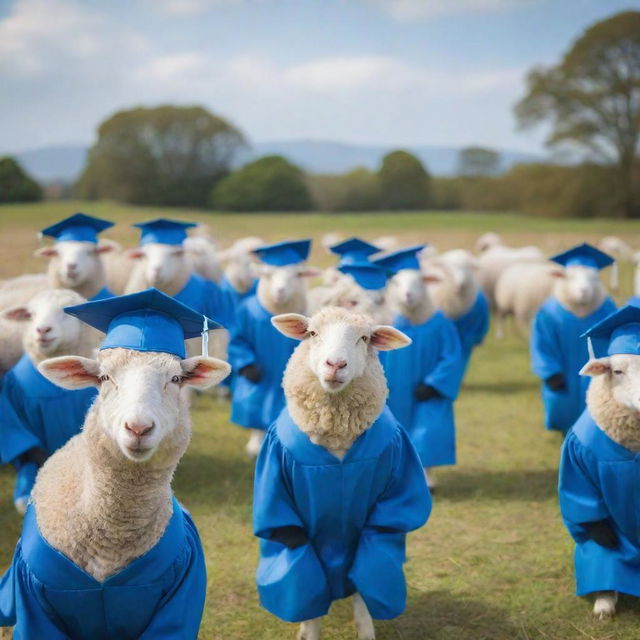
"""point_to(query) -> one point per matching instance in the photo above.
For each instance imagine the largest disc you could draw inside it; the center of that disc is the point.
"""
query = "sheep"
(579, 300)
(39, 418)
(598, 481)
(333, 464)
(258, 353)
(240, 267)
(487, 241)
(118, 266)
(105, 500)
(204, 258)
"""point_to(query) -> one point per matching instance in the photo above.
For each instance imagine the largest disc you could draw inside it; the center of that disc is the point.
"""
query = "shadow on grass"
(501, 387)
(439, 615)
(526, 485)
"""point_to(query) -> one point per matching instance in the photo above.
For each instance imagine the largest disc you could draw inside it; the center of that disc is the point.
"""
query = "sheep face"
(283, 284)
(49, 326)
(408, 289)
(140, 402)
(622, 373)
(581, 284)
(339, 343)
(241, 270)
(461, 265)
(162, 262)
(74, 263)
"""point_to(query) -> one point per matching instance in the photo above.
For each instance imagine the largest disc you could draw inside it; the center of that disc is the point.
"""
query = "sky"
(379, 72)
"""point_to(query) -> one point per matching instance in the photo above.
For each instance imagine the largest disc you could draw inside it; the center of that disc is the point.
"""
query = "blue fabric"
(163, 231)
(285, 253)
(473, 326)
(236, 295)
(401, 259)
(339, 504)
(617, 333)
(634, 300)
(103, 294)
(585, 255)
(556, 347)
(433, 358)
(209, 299)
(598, 480)
(254, 340)
(366, 274)
(41, 414)
(354, 250)
(77, 228)
(159, 596)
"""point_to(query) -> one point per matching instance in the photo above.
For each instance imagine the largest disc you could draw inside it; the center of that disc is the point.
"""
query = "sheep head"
(408, 290)
(579, 285)
(140, 401)
(339, 343)
(619, 376)
(162, 262)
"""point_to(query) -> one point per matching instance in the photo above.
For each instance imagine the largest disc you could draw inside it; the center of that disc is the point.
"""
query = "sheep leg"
(310, 629)
(500, 318)
(254, 443)
(362, 618)
(430, 477)
(605, 604)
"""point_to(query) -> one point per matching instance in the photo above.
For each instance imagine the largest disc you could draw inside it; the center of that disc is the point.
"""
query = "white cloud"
(190, 7)
(406, 10)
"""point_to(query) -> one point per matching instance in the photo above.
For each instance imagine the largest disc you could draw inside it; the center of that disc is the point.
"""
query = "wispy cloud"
(190, 7)
(426, 9)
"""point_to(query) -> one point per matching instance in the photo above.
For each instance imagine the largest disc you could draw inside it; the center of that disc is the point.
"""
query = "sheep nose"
(336, 364)
(72, 266)
(139, 429)
(43, 330)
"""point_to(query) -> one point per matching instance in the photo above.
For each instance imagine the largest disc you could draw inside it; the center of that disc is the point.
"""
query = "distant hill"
(64, 163)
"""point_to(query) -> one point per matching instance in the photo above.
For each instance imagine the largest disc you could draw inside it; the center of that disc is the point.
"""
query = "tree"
(270, 183)
(478, 161)
(403, 182)
(592, 98)
(160, 156)
(15, 184)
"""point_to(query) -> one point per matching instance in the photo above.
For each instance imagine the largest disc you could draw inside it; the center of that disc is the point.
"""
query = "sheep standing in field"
(240, 269)
(557, 353)
(106, 550)
(424, 379)
(37, 418)
(456, 293)
(257, 352)
(338, 484)
(599, 469)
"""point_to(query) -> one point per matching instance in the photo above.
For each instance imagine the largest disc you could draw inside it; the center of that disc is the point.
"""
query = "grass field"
(494, 561)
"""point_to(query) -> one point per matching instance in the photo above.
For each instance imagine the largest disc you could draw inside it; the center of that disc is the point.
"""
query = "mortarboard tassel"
(205, 338)
(613, 277)
(592, 355)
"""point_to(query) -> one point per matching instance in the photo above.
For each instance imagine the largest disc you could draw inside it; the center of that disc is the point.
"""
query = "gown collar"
(598, 442)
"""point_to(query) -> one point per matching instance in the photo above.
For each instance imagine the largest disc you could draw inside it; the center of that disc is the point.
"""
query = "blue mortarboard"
(163, 231)
(619, 332)
(368, 275)
(145, 321)
(78, 228)
(401, 259)
(282, 254)
(585, 255)
(353, 250)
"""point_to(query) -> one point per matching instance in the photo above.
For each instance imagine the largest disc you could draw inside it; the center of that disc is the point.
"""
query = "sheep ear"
(203, 371)
(71, 372)
(596, 367)
(18, 314)
(557, 273)
(46, 253)
(106, 246)
(135, 254)
(386, 338)
(309, 272)
(292, 325)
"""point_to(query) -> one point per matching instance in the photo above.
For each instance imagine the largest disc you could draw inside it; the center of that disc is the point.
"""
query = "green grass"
(494, 560)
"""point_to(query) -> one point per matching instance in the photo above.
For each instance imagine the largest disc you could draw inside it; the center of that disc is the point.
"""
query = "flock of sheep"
(322, 378)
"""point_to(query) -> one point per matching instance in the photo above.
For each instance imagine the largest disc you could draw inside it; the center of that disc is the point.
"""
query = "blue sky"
(393, 72)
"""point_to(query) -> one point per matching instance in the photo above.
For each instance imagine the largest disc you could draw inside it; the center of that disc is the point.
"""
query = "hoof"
(366, 631)
(605, 605)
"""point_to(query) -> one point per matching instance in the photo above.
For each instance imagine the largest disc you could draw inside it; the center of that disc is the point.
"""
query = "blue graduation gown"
(208, 298)
(102, 294)
(598, 480)
(159, 596)
(434, 358)
(556, 347)
(254, 340)
(40, 414)
(473, 326)
(340, 505)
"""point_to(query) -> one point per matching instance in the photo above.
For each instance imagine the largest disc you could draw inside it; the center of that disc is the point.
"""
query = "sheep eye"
(104, 378)
(312, 334)
(618, 372)
(176, 379)
(365, 338)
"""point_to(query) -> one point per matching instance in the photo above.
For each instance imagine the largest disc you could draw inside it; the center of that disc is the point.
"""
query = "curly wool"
(620, 423)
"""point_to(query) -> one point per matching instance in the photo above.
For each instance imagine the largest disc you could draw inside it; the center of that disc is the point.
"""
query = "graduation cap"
(367, 274)
(282, 254)
(618, 333)
(401, 259)
(77, 228)
(163, 231)
(146, 321)
(354, 250)
(584, 255)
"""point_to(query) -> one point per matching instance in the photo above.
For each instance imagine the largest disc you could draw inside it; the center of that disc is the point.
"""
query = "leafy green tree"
(592, 98)
(160, 156)
(403, 182)
(478, 161)
(15, 184)
(270, 183)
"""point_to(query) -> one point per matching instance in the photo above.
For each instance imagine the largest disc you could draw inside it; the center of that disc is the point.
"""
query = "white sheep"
(105, 500)
(621, 251)
(240, 269)
(334, 468)
(487, 240)
(204, 257)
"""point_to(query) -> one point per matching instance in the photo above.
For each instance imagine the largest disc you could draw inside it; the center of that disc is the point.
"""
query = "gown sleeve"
(241, 352)
(580, 496)
(15, 437)
(180, 612)
(447, 375)
(404, 506)
(221, 305)
(545, 348)
(291, 582)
